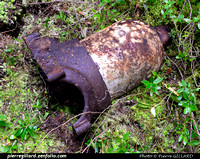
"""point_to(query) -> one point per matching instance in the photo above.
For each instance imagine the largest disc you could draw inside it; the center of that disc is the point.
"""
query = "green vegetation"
(161, 115)
(8, 12)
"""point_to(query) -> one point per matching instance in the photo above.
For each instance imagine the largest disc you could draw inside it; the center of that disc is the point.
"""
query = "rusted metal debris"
(103, 66)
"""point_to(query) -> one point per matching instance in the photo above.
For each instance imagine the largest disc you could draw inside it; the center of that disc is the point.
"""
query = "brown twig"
(101, 122)
(78, 19)
(95, 139)
(190, 9)
(159, 135)
(10, 30)
(176, 67)
(182, 8)
(191, 150)
(83, 19)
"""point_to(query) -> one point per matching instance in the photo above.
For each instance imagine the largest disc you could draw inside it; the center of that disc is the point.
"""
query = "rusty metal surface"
(126, 53)
(103, 66)
(70, 62)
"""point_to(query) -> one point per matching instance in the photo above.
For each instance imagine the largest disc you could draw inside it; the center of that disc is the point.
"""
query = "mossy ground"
(127, 126)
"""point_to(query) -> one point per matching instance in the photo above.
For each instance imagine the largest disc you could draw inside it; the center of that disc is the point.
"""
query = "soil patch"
(64, 133)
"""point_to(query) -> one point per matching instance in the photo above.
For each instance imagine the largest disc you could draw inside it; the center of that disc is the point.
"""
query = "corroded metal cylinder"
(125, 53)
(103, 66)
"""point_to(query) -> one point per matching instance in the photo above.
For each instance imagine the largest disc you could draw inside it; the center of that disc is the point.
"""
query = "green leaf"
(113, 10)
(179, 97)
(195, 142)
(93, 10)
(156, 91)
(181, 16)
(179, 56)
(193, 108)
(185, 104)
(154, 73)
(187, 20)
(126, 136)
(180, 90)
(4, 149)
(185, 95)
(146, 82)
(187, 110)
(166, 6)
(102, 26)
(12, 137)
(2, 117)
(199, 24)
(184, 84)
(172, 2)
(187, 132)
(151, 93)
(104, 1)
(23, 134)
(180, 138)
(31, 132)
(20, 121)
(158, 80)
(185, 140)
(3, 123)
(19, 132)
(179, 132)
(118, 140)
(179, 83)
(14, 147)
(26, 136)
(179, 126)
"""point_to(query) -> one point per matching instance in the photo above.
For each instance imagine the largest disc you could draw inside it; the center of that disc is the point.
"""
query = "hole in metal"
(67, 94)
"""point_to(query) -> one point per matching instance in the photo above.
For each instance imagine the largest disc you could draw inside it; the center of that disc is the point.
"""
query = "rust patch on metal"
(125, 49)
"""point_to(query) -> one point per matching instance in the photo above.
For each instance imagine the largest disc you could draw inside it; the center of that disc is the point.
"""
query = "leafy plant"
(120, 144)
(185, 97)
(23, 131)
(108, 13)
(37, 105)
(153, 83)
(188, 96)
(8, 55)
(2, 120)
(11, 145)
(26, 129)
(7, 13)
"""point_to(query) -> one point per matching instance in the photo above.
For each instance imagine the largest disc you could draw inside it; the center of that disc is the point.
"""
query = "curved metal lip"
(90, 101)
(70, 62)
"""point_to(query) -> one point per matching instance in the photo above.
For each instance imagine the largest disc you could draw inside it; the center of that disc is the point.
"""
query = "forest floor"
(31, 122)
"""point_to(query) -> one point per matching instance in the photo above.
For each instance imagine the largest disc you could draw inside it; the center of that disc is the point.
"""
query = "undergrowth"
(161, 115)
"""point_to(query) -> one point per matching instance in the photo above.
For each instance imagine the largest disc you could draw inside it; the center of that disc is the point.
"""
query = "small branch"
(159, 136)
(192, 68)
(176, 66)
(95, 139)
(198, 133)
(190, 9)
(76, 22)
(78, 19)
(10, 30)
(182, 8)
